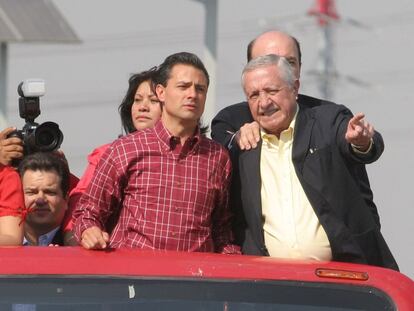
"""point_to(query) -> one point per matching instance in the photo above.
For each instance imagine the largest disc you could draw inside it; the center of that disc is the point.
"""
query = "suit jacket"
(58, 238)
(332, 176)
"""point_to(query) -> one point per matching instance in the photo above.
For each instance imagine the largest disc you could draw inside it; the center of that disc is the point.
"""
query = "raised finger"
(370, 130)
(12, 141)
(356, 119)
(11, 148)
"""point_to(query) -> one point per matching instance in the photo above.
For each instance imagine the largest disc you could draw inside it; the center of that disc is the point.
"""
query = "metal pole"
(3, 85)
(328, 70)
(210, 57)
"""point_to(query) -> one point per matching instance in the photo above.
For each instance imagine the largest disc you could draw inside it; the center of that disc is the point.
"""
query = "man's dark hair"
(251, 44)
(48, 162)
(185, 58)
(125, 107)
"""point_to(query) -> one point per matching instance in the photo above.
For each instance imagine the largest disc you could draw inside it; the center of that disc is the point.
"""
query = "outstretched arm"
(358, 140)
(359, 133)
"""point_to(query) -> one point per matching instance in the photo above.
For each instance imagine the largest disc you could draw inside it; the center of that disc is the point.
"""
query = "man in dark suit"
(235, 125)
(330, 176)
(45, 180)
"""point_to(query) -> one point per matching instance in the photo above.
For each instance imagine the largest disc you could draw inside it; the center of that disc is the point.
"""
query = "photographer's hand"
(10, 148)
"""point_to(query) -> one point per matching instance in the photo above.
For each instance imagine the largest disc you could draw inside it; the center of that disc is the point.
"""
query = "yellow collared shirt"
(291, 227)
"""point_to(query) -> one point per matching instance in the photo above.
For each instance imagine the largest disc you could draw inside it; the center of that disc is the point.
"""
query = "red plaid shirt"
(169, 196)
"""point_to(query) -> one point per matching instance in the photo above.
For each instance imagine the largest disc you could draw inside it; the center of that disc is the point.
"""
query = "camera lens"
(48, 137)
(45, 138)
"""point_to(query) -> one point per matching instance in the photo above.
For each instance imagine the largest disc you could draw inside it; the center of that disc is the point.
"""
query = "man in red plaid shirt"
(169, 183)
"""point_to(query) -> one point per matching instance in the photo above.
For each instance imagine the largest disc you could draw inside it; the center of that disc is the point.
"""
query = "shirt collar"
(43, 240)
(170, 142)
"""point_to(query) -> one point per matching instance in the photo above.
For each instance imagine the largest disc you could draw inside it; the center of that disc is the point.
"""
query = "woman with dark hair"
(140, 109)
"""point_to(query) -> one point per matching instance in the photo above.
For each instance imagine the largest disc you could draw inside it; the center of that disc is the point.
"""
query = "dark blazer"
(332, 176)
(58, 238)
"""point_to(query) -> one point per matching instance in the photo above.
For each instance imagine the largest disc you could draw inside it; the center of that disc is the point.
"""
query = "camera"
(44, 137)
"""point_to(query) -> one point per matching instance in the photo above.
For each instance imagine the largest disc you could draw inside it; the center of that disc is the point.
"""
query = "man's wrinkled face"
(272, 101)
(44, 198)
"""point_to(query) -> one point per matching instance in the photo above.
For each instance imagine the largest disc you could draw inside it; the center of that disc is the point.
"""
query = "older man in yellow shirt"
(291, 227)
(297, 194)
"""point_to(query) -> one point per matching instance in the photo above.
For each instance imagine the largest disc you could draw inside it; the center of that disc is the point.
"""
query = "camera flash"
(33, 87)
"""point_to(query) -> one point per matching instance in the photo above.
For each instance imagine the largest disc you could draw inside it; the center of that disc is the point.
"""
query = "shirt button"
(178, 184)
(177, 209)
(173, 233)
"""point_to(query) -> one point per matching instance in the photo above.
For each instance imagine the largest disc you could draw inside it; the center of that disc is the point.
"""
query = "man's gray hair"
(285, 69)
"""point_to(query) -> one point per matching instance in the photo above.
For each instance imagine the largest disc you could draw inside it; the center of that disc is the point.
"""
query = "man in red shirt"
(45, 180)
(11, 196)
(169, 184)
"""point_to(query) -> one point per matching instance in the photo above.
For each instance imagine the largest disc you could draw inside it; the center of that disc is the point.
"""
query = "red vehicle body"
(27, 263)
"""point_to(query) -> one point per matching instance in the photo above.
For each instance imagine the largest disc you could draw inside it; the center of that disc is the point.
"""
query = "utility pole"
(210, 56)
(3, 85)
(326, 15)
